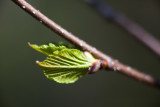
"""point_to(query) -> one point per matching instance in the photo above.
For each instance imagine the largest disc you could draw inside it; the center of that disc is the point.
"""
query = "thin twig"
(138, 32)
(112, 64)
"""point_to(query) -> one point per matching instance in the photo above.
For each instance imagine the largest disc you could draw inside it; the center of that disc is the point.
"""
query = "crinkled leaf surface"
(62, 64)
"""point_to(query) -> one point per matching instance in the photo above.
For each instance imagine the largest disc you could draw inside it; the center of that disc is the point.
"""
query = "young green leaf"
(62, 64)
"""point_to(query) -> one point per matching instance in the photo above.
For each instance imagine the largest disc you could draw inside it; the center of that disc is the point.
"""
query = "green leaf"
(62, 64)
(47, 49)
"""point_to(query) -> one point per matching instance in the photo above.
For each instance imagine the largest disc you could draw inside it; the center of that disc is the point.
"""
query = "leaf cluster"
(63, 65)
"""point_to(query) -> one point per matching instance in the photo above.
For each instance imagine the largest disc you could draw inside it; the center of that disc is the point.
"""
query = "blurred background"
(22, 83)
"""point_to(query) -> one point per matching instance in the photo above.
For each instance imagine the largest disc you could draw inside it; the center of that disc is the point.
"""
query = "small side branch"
(112, 64)
(138, 32)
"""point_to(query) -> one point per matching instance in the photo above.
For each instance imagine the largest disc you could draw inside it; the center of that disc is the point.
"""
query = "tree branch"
(112, 64)
(138, 32)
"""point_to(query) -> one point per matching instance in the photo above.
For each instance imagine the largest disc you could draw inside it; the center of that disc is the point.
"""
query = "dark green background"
(22, 83)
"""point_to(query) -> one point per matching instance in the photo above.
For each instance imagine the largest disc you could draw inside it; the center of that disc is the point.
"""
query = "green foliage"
(63, 65)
